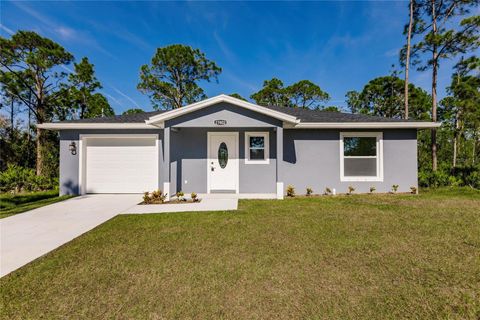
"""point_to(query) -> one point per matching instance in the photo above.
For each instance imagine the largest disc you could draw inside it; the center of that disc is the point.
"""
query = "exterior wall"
(312, 159)
(189, 162)
(69, 164)
(189, 148)
(235, 116)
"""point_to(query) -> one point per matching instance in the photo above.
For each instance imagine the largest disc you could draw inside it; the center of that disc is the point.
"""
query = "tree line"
(38, 85)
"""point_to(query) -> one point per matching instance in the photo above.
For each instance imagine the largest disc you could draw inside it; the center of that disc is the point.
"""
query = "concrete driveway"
(27, 236)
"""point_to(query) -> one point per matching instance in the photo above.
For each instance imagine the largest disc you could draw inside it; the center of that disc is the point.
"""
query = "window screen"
(257, 148)
(360, 156)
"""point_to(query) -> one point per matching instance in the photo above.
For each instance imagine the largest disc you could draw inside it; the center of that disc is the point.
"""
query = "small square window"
(256, 147)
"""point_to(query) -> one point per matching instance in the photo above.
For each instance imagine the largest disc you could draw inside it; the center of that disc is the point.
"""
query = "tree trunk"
(434, 88)
(39, 143)
(407, 62)
(475, 140)
(12, 118)
(455, 142)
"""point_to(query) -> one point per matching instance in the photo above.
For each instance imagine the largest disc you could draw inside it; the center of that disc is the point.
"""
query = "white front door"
(222, 164)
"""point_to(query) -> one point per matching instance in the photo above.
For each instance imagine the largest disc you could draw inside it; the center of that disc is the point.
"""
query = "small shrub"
(290, 191)
(433, 179)
(20, 179)
(146, 198)
(158, 196)
(372, 189)
(395, 188)
(309, 191)
(180, 195)
(194, 197)
(327, 191)
(351, 190)
(413, 189)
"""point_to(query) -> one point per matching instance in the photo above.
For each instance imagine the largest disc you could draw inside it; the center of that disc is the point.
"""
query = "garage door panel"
(121, 165)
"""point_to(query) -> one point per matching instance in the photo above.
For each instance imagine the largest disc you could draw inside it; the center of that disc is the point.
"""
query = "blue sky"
(338, 45)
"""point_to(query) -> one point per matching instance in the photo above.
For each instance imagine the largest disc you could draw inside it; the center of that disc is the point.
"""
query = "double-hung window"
(361, 156)
(256, 148)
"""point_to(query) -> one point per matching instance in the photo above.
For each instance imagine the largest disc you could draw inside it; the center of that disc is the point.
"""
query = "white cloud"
(64, 67)
(125, 96)
(113, 99)
(223, 47)
(7, 30)
(63, 32)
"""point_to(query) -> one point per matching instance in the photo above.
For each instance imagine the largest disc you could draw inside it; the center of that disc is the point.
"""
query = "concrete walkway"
(29, 235)
(207, 204)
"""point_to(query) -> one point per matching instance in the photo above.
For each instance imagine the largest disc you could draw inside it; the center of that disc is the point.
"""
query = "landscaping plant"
(146, 198)
(351, 190)
(309, 191)
(372, 189)
(290, 191)
(395, 188)
(194, 197)
(180, 195)
(327, 191)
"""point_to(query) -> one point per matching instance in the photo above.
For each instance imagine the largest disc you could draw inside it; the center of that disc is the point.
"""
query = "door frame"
(82, 155)
(236, 161)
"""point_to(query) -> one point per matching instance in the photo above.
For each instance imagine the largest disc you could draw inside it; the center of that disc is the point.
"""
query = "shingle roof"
(309, 115)
(305, 115)
(128, 118)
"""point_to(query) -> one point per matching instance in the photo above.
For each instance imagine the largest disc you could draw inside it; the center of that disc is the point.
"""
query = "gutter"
(364, 125)
(67, 126)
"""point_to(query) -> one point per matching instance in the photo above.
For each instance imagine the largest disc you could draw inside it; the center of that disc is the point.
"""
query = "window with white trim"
(361, 156)
(256, 148)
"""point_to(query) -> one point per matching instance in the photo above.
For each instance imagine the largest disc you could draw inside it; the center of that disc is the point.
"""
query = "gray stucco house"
(226, 145)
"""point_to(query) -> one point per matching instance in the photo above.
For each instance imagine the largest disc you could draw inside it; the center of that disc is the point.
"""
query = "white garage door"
(121, 165)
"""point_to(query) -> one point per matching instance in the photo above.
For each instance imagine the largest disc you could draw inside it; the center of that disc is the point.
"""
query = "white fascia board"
(365, 125)
(214, 100)
(73, 126)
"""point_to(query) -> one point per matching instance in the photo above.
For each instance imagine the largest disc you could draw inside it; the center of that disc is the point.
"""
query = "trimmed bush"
(290, 191)
(19, 179)
(309, 191)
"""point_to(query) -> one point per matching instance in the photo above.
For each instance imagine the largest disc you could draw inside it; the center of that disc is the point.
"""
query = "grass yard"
(11, 204)
(344, 257)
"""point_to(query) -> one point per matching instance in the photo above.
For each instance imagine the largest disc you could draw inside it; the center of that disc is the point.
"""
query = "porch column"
(166, 162)
(279, 162)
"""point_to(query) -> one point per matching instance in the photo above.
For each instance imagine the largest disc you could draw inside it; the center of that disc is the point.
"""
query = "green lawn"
(11, 204)
(344, 257)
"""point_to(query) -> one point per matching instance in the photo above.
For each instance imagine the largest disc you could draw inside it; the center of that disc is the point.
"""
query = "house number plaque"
(220, 122)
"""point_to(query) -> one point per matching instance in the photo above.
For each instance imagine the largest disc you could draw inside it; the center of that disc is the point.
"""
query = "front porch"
(223, 163)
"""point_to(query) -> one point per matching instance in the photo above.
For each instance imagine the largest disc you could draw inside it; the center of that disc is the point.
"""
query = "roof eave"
(76, 125)
(366, 125)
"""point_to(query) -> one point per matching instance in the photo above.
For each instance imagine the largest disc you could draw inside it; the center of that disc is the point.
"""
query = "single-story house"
(226, 145)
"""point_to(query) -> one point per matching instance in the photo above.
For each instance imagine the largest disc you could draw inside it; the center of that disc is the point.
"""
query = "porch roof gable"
(159, 119)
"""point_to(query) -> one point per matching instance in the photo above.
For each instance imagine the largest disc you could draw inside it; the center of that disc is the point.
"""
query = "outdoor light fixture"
(73, 148)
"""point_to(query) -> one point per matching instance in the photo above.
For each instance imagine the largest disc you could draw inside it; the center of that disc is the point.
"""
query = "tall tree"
(461, 110)
(407, 49)
(172, 78)
(238, 96)
(383, 97)
(82, 84)
(29, 61)
(306, 94)
(272, 94)
(133, 111)
(442, 42)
